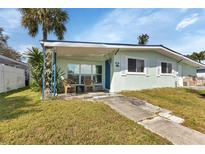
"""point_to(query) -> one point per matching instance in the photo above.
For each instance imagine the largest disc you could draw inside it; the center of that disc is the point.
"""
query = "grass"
(24, 119)
(186, 103)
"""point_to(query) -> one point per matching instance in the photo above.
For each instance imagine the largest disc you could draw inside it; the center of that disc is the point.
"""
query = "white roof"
(9, 61)
(158, 48)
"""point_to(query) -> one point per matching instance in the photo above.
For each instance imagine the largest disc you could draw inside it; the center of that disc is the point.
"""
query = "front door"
(107, 74)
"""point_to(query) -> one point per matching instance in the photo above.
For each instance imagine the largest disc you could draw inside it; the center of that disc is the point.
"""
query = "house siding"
(188, 70)
(151, 79)
(11, 78)
(120, 80)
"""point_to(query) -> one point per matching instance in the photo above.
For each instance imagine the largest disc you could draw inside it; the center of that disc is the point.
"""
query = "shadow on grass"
(5, 94)
(200, 93)
(15, 106)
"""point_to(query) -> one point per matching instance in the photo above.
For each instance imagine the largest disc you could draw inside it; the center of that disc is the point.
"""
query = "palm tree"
(143, 39)
(197, 56)
(51, 20)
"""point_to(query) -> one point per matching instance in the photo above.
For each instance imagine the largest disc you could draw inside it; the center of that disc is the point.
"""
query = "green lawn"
(24, 119)
(186, 103)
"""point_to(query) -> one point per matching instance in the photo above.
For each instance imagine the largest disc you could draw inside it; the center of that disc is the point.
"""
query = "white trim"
(135, 73)
(166, 74)
(101, 45)
(183, 57)
(12, 60)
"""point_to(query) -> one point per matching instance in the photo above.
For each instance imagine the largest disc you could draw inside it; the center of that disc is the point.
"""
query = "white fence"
(11, 78)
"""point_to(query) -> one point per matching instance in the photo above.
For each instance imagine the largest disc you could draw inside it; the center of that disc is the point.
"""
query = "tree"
(197, 56)
(3, 39)
(143, 39)
(35, 61)
(51, 20)
(5, 50)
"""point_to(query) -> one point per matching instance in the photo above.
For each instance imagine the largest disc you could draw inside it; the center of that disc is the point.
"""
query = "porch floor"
(89, 95)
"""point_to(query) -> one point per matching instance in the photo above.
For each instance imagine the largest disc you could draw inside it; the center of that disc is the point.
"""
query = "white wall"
(11, 78)
(152, 78)
(202, 75)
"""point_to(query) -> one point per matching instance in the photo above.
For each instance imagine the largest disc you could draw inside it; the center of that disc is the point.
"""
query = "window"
(135, 65)
(73, 68)
(85, 69)
(86, 72)
(74, 72)
(166, 68)
(78, 73)
(85, 77)
(97, 74)
(74, 78)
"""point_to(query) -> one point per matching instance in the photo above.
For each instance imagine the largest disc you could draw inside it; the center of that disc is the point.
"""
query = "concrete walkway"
(156, 119)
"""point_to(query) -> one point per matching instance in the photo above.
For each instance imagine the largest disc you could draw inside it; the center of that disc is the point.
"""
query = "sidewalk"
(156, 119)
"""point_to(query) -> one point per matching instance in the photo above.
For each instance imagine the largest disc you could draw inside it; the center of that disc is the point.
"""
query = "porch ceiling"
(84, 51)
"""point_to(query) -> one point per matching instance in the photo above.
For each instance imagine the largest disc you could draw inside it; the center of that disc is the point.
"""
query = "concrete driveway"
(156, 119)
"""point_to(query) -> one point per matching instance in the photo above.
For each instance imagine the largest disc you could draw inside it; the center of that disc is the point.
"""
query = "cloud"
(10, 19)
(123, 25)
(187, 21)
(184, 10)
(190, 43)
(22, 48)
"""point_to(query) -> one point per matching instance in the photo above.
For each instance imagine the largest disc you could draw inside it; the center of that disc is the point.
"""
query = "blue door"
(107, 74)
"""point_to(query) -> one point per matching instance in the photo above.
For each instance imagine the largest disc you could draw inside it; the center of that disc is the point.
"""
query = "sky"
(182, 30)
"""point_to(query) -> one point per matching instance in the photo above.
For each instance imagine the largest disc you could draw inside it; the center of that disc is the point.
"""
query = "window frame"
(97, 74)
(92, 73)
(168, 62)
(136, 73)
(74, 74)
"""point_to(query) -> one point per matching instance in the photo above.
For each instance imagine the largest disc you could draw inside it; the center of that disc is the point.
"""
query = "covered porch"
(81, 64)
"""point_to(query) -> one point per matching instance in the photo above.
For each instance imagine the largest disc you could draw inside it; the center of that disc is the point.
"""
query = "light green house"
(117, 67)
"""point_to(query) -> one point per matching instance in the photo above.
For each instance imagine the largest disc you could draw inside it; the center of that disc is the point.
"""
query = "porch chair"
(89, 84)
(69, 86)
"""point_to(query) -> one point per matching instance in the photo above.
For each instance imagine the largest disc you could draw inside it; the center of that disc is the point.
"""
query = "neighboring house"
(117, 67)
(201, 73)
(13, 74)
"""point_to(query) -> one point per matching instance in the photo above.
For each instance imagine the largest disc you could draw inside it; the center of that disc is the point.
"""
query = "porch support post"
(51, 82)
(43, 74)
(54, 74)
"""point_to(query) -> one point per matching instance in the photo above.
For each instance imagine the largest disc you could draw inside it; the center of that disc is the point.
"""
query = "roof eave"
(13, 61)
(120, 46)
